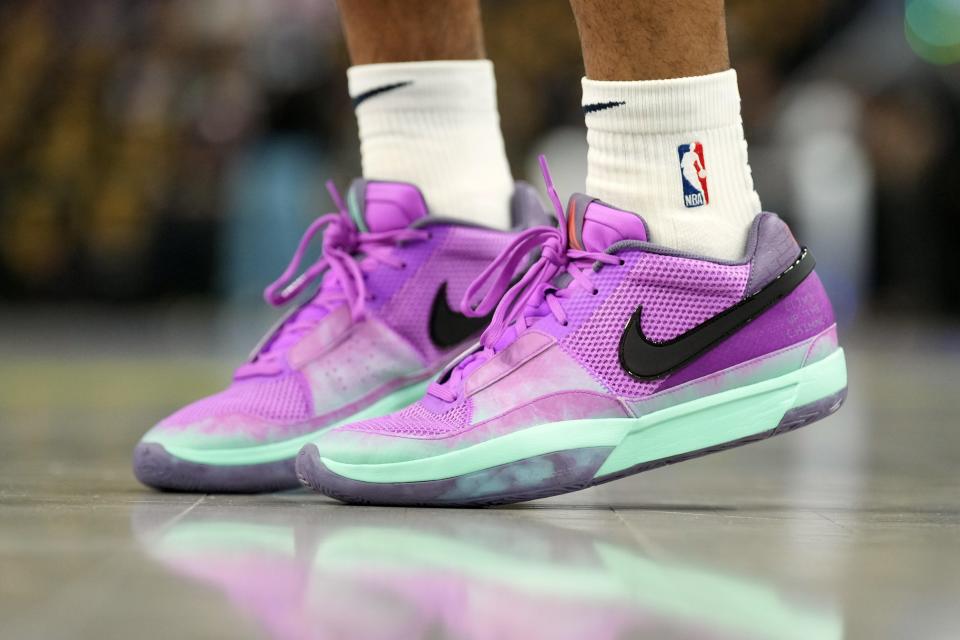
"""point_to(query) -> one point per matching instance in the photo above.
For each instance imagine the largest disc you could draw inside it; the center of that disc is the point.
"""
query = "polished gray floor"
(847, 528)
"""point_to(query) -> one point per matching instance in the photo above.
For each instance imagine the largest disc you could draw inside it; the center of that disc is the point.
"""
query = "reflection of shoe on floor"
(380, 325)
(471, 579)
(352, 573)
(612, 356)
(254, 562)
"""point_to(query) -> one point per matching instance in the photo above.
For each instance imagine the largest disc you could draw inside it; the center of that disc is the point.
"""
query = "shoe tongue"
(594, 225)
(384, 206)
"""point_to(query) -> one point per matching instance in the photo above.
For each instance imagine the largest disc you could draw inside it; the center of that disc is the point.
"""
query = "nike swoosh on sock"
(366, 95)
(600, 106)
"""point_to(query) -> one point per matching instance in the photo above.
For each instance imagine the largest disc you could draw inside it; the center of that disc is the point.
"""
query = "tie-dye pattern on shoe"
(359, 347)
(546, 405)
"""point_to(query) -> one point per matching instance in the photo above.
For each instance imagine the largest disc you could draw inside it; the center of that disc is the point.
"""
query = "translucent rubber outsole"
(561, 457)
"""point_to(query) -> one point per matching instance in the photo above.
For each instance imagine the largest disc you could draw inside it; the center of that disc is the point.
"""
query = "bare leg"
(412, 30)
(651, 39)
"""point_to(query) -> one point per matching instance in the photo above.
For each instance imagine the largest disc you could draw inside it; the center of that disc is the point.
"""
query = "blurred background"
(167, 152)
(159, 160)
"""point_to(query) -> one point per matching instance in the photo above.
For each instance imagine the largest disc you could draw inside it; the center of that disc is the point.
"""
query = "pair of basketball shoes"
(602, 354)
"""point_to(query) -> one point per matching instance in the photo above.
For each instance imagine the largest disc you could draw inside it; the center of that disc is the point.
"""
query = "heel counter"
(818, 299)
(803, 315)
(822, 346)
(817, 319)
(771, 248)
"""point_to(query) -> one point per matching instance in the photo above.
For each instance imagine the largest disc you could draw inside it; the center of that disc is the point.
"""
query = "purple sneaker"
(382, 322)
(611, 356)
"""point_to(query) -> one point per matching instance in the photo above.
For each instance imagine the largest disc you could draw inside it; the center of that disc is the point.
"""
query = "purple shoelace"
(534, 296)
(348, 254)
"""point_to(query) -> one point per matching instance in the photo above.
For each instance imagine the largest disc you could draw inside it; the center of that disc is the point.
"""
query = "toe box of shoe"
(410, 434)
(248, 413)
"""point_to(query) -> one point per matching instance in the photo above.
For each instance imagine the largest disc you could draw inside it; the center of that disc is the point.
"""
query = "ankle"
(674, 152)
(435, 124)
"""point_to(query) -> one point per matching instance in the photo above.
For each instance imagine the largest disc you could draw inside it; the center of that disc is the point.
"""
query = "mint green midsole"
(285, 449)
(690, 426)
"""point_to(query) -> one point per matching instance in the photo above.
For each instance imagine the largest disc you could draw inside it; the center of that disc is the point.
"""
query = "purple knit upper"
(575, 308)
(365, 329)
(677, 294)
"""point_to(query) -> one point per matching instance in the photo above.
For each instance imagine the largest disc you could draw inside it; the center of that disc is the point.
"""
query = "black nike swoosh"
(366, 95)
(648, 360)
(600, 106)
(448, 328)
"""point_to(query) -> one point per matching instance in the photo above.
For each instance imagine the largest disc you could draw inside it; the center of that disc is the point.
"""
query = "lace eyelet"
(622, 262)
(564, 323)
(403, 266)
(595, 291)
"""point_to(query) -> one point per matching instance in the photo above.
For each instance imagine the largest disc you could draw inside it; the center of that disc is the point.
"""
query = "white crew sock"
(637, 132)
(435, 124)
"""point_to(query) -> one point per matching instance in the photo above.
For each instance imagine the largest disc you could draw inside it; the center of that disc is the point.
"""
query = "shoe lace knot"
(559, 271)
(347, 255)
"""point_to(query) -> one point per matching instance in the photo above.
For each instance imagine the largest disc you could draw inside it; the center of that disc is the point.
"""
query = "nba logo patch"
(693, 175)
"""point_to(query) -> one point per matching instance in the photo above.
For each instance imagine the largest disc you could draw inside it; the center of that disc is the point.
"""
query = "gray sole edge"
(155, 467)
